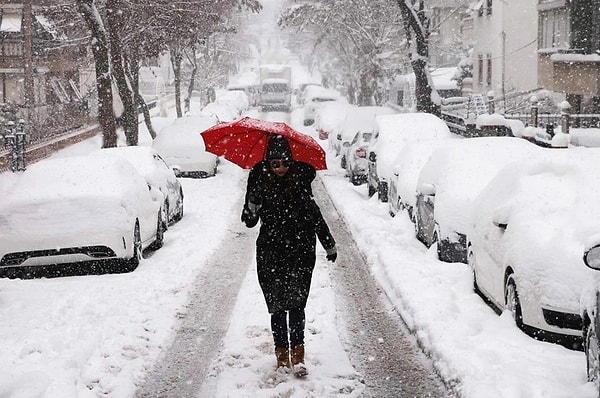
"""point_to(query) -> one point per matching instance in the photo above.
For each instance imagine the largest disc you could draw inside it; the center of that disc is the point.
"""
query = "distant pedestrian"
(279, 193)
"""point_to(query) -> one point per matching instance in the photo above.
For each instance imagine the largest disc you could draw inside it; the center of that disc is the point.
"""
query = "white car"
(328, 118)
(156, 172)
(314, 97)
(392, 133)
(182, 147)
(402, 193)
(96, 214)
(590, 311)
(450, 181)
(531, 226)
(360, 120)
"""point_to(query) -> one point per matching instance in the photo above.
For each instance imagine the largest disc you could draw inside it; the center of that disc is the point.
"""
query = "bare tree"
(100, 49)
(416, 26)
(356, 37)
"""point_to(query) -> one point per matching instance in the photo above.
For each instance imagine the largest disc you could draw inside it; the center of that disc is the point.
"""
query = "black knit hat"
(278, 148)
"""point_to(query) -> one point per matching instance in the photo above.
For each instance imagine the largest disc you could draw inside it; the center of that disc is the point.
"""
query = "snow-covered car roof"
(321, 93)
(396, 130)
(146, 160)
(362, 119)
(75, 177)
(460, 169)
(183, 139)
(551, 206)
(330, 115)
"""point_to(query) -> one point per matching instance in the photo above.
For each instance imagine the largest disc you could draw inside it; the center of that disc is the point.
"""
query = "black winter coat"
(290, 220)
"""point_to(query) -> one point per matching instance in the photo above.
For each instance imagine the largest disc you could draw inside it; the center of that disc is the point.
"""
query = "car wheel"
(166, 207)
(134, 261)
(179, 214)
(160, 231)
(371, 190)
(592, 352)
(435, 240)
(471, 265)
(511, 301)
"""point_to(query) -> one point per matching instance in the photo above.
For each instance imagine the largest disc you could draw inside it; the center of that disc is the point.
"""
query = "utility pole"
(28, 57)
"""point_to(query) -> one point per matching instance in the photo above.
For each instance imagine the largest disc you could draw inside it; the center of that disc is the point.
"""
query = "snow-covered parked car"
(590, 313)
(531, 227)
(328, 118)
(450, 181)
(93, 214)
(402, 193)
(360, 120)
(314, 97)
(392, 133)
(156, 172)
(182, 147)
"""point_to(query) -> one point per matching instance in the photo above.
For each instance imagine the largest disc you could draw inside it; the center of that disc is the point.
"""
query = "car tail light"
(360, 152)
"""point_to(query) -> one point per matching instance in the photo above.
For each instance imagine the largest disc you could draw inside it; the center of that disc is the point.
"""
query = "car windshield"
(275, 87)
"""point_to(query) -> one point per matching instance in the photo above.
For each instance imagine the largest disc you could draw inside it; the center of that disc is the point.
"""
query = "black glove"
(332, 254)
(255, 197)
(254, 208)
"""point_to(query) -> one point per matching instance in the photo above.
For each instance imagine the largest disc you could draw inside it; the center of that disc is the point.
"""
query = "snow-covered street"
(101, 335)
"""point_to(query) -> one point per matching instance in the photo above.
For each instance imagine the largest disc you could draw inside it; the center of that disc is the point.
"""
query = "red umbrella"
(244, 142)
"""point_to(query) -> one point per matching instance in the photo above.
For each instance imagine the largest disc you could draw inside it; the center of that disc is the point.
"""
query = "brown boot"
(283, 357)
(298, 361)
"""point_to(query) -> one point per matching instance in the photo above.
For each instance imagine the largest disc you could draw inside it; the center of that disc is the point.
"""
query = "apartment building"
(40, 76)
(505, 51)
(569, 51)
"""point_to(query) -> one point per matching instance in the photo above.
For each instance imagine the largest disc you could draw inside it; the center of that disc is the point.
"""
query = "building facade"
(38, 75)
(505, 52)
(569, 51)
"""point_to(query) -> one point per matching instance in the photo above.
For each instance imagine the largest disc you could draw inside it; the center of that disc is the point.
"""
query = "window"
(554, 28)
(12, 49)
(489, 70)
(400, 98)
(480, 69)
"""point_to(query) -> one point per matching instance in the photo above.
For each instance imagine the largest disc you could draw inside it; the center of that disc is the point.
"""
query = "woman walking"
(279, 193)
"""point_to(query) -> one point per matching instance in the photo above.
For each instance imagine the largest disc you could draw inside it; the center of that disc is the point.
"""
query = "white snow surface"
(92, 336)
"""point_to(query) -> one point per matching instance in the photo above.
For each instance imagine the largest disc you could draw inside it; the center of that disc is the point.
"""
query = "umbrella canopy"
(244, 142)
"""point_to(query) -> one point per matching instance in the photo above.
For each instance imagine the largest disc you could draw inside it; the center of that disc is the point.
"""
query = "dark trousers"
(279, 326)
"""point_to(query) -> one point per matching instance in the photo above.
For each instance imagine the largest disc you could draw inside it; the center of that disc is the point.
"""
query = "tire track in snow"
(182, 370)
(379, 345)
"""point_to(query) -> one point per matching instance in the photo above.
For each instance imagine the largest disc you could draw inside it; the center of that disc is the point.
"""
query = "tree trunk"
(106, 118)
(366, 89)
(194, 62)
(416, 25)
(132, 61)
(129, 116)
(176, 58)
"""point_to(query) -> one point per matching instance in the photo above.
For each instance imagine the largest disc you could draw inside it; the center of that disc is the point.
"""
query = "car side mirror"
(501, 216)
(176, 170)
(591, 258)
(426, 189)
(501, 225)
(372, 156)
